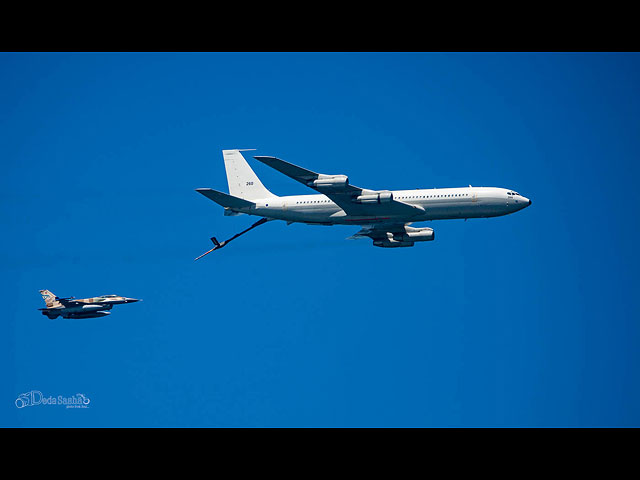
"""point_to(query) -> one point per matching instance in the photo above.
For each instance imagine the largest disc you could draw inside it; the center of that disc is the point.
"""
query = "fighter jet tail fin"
(243, 182)
(49, 298)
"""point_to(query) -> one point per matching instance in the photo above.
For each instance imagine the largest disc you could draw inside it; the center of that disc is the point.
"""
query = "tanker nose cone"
(525, 202)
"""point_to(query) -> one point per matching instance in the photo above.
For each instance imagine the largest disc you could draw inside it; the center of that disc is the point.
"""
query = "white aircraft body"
(384, 215)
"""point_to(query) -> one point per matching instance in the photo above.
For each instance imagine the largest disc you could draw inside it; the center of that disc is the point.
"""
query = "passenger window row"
(401, 197)
(436, 196)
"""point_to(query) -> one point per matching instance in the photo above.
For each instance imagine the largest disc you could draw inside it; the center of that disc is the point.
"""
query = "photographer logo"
(35, 397)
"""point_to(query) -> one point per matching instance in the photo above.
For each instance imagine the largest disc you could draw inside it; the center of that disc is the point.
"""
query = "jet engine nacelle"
(411, 234)
(329, 181)
(378, 197)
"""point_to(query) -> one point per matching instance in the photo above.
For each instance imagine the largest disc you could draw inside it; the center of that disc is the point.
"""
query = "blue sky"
(525, 320)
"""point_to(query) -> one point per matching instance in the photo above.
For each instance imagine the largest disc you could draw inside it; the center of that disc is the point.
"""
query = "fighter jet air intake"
(383, 215)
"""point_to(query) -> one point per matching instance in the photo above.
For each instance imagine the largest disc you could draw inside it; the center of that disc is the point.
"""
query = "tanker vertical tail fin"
(243, 182)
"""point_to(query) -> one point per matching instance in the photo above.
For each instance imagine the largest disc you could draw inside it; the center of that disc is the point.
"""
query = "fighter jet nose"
(131, 300)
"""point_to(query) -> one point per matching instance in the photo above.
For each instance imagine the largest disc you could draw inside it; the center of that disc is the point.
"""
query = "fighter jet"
(80, 307)
(384, 215)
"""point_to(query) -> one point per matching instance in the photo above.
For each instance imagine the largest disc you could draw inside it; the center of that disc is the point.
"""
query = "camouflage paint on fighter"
(80, 307)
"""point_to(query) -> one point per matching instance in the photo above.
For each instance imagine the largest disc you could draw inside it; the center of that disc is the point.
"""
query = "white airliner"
(384, 215)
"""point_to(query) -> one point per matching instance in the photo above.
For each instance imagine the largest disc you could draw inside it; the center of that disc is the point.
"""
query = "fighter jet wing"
(69, 302)
(66, 303)
(353, 200)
